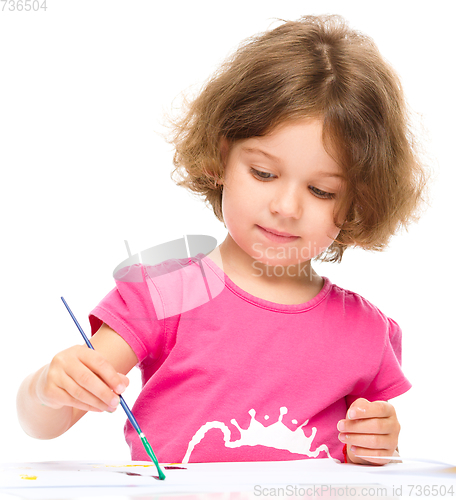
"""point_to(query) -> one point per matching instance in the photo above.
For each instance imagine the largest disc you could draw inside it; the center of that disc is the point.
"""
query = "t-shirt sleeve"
(129, 311)
(389, 381)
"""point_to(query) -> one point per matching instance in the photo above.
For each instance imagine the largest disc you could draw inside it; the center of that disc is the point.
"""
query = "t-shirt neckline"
(253, 299)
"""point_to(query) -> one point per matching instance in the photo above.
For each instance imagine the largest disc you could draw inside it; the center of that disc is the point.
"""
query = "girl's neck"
(294, 284)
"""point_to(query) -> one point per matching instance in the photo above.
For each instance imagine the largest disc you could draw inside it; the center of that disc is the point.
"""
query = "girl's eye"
(260, 174)
(321, 194)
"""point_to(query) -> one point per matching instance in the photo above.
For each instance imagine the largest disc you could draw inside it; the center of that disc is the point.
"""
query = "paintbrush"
(130, 415)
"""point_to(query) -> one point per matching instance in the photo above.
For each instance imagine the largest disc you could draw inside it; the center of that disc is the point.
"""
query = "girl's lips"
(277, 237)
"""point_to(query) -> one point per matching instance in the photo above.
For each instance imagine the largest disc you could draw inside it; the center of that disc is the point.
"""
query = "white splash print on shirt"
(276, 435)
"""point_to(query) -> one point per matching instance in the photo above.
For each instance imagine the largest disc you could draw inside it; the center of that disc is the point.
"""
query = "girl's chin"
(283, 256)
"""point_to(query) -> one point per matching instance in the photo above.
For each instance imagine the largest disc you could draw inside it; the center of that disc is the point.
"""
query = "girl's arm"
(77, 380)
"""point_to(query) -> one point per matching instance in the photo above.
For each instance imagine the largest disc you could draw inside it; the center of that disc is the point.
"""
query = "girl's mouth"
(277, 237)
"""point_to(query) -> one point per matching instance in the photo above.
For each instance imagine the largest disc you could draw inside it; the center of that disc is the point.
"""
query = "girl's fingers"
(370, 441)
(60, 397)
(83, 385)
(362, 408)
(359, 452)
(75, 403)
(104, 370)
(368, 426)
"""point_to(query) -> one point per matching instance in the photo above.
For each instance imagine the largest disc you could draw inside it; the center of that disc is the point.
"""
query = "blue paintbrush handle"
(130, 416)
(127, 410)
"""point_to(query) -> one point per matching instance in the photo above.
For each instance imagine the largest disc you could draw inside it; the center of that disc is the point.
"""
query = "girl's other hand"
(370, 429)
(82, 378)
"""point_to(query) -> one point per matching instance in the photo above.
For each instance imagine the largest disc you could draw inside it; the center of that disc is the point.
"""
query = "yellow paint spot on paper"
(139, 465)
(24, 476)
(451, 470)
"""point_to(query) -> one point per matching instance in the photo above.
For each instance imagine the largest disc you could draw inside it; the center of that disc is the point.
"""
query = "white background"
(83, 91)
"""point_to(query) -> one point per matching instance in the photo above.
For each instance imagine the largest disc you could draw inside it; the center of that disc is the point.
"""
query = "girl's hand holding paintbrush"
(81, 378)
(77, 380)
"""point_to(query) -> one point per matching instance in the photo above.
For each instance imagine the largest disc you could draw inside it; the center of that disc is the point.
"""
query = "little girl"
(301, 145)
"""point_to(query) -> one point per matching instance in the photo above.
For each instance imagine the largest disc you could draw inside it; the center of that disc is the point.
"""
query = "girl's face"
(284, 182)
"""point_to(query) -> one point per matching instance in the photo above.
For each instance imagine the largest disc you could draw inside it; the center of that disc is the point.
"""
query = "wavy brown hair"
(315, 67)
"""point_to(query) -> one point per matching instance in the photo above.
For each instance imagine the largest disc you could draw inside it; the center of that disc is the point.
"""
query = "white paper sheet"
(48, 480)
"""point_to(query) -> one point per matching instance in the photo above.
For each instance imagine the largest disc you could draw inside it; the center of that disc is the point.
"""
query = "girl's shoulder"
(174, 286)
(357, 308)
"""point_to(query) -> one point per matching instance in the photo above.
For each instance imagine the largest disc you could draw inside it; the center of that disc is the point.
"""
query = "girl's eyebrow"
(260, 151)
(331, 174)
(277, 160)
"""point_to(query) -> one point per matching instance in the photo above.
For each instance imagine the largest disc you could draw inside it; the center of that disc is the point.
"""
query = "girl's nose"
(287, 202)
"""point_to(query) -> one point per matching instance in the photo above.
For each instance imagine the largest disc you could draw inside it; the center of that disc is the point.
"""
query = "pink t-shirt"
(228, 376)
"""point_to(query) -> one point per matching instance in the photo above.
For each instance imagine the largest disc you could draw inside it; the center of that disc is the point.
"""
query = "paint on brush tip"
(151, 454)
(25, 476)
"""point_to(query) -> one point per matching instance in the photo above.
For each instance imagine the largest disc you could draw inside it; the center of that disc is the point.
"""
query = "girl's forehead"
(292, 142)
(296, 134)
